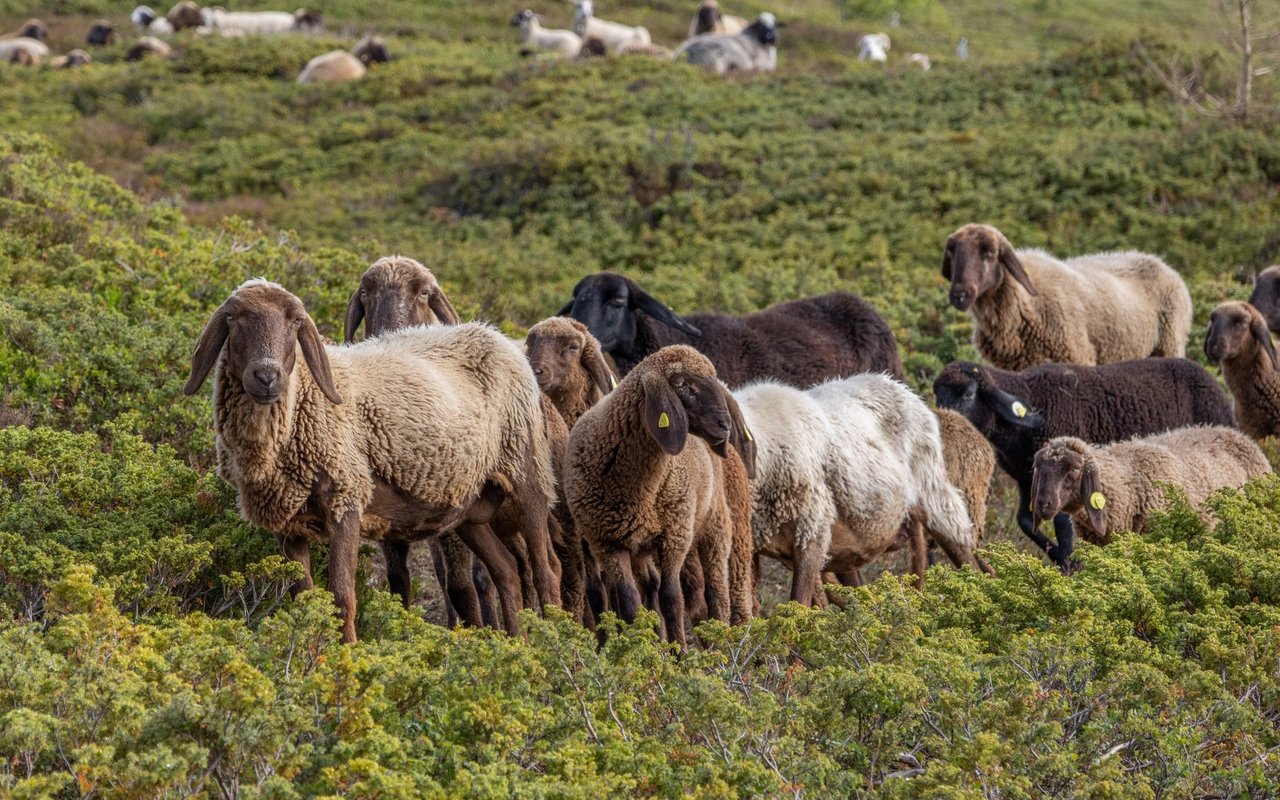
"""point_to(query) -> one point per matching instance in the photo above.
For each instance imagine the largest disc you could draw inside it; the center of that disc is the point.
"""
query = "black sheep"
(801, 342)
(1020, 411)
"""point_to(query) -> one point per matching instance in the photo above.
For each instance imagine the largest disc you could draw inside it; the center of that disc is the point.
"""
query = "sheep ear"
(592, 361)
(1012, 410)
(739, 436)
(318, 360)
(442, 308)
(643, 301)
(1009, 259)
(355, 315)
(208, 346)
(1095, 502)
(664, 415)
(1263, 336)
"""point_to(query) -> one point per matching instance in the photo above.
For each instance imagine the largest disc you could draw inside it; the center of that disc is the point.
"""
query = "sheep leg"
(615, 568)
(713, 552)
(519, 550)
(696, 591)
(396, 555)
(344, 555)
(572, 573)
(806, 572)
(919, 552)
(502, 569)
(534, 510)
(442, 579)
(852, 577)
(1062, 549)
(459, 586)
(486, 594)
(671, 598)
(597, 599)
(297, 548)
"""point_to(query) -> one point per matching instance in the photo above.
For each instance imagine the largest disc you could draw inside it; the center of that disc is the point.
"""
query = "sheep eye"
(618, 302)
(297, 323)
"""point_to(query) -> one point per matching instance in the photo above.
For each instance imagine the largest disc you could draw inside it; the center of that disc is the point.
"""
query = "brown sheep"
(709, 19)
(102, 33)
(76, 58)
(22, 58)
(185, 14)
(1240, 343)
(148, 46)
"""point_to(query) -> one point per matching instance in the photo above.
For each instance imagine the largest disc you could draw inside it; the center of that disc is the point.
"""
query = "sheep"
(1116, 487)
(1266, 296)
(1239, 342)
(22, 58)
(1019, 411)
(1029, 307)
(147, 46)
(801, 342)
(840, 467)
(426, 429)
(636, 484)
(146, 19)
(185, 14)
(535, 37)
(970, 463)
(962, 48)
(23, 51)
(616, 37)
(920, 60)
(709, 19)
(262, 23)
(101, 33)
(76, 58)
(338, 66)
(31, 29)
(874, 47)
(570, 368)
(753, 49)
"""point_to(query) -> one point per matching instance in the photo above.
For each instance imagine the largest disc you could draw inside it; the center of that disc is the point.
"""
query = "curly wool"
(970, 462)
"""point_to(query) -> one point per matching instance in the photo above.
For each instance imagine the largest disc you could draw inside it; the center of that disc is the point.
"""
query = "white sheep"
(535, 37)
(617, 38)
(751, 50)
(147, 20)
(261, 23)
(920, 60)
(709, 19)
(23, 49)
(874, 47)
(338, 66)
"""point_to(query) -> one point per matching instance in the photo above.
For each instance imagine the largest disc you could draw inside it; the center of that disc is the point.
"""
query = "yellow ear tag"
(1019, 410)
(1097, 501)
(613, 382)
(663, 420)
(747, 431)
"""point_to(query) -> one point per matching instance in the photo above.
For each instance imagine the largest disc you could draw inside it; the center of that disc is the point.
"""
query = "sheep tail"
(943, 507)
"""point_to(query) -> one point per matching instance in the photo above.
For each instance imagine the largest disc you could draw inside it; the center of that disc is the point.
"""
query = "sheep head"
(305, 20)
(261, 326)
(708, 17)
(143, 16)
(102, 33)
(371, 50)
(609, 305)
(524, 20)
(1236, 331)
(971, 390)
(975, 260)
(764, 30)
(34, 29)
(1065, 478)
(397, 292)
(185, 14)
(559, 349)
(1266, 296)
(77, 58)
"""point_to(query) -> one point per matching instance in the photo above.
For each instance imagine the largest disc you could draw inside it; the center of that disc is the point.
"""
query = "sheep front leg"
(1062, 549)
(461, 595)
(297, 549)
(919, 552)
(542, 558)
(713, 552)
(812, 541)
(502, 569)
(671, 595)
(442, 578)
(399, 581)
(344, 554)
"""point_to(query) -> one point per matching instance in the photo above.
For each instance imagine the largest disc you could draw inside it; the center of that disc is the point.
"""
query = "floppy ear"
(1208, 333)
(643, 301)
(1011, 263)
(442, 308)
(592, 361)
(664, 415)
(565, 309)
(739, 436)
(1091, 491)
(317, 360)
(355, 315)
(948, 256)
(1011, 409)
(1263, 336)
(208, 346)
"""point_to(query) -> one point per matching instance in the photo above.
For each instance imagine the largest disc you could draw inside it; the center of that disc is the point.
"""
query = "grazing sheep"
(76, 58)
(148, 46)
(339, 66)
(102, 33)
(920, 60)
(753, 49)
(616, 37)
(874, 47)
(1239, 342)
(709, 19)
(535, 37)
(186, 14)
(31, 29)
(1116, 487)
(801, 342)
(262, 23)
(426, 429)
(1266, 296)
(23, 51)
(147, 20)
(636, 484)
(1029, 307)
(1019, 411)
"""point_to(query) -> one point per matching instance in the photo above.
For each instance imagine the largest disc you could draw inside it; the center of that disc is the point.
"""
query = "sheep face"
(708, 17)
(609, 306)
(558, 347)
(308, 21)
(397, 292)
(185, 14)
(34, 29)
(1266, 296)
(143, 16)
(764, 30)
(1065, 478)
(371, 50)
(102, 33)
(975, 260)
(523, 19)
(1235, 330)
(262, 326)
(971, 391)
(77, 58)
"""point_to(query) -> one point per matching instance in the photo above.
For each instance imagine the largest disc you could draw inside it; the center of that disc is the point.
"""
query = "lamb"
(146, 19)
(23, 51)
(874, 47)
(617, 38)
(1116, 487)
(709, 19)
(148, 46)
(753, 49)
(76, 58)
(1029, 307)
(1266, 296)
(1239, 342)
(801, 342)
(636, 484)
(840, 467)
(535, 37)
(1019, 411)
(339, 66)
(570, 368)
(262, 23)
(426, 430)
(31, 29)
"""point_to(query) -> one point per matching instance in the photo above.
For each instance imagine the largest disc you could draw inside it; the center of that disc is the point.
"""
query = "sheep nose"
(960, 298)
(266, 377)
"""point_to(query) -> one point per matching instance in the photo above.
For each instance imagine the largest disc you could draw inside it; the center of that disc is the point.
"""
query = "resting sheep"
(535, 37)
(146, 19)
(101, 34)
(616, 37)
(801, 342)
(753, 49)
(874, 47)
(23, 51)
(426, 430)
(1029, 307)
(1019, 411)
(262, 23)
(709, 19)
(1116, 487)
(638, 484)
(31, 29)
(1239, 342)
(76, 58)
(339, 66)
(148, 46)
(185, 14)
(1266, 296)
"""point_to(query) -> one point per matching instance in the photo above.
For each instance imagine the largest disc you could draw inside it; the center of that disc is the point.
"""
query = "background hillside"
(134, 197)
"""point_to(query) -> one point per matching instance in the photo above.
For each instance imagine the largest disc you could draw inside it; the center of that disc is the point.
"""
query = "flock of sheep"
(626, 455)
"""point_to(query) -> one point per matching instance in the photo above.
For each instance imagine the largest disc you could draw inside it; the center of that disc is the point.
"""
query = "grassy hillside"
(149, 647)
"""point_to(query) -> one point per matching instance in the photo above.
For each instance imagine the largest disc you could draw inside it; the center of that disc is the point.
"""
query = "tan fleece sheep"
(709, 19)
(1240, 343)
(340, 66)
(637, 483)
(1029, 307)
(1111, 488)
(426, 430)
(22, 50)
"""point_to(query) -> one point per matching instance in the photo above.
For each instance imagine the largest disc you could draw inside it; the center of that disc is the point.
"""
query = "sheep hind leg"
(298, 549)
(919, 552)
(534, 510)
(501, 566)
(461, 598)
(442, 580)
(485, 593)
(713, 552)
(572, 572)
(399, 581)
(693, 583)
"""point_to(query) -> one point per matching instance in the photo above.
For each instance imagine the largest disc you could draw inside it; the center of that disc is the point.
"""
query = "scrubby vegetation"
(149, 646)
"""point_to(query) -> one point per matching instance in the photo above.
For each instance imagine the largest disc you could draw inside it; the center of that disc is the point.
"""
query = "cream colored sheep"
(874, 47)
(616, 37)
(148, 46)
(23, 50)
(535, 37)
(262, 23)
(709, 19)
(1239, 342)
(31, 29)
(76, 58)
(339, 66)
(1029, 307)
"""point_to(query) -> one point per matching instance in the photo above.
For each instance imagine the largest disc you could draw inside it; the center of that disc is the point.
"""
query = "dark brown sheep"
(1266, 296)
(801, 342)
(185, 14)
(1239, 342)
(101, 34)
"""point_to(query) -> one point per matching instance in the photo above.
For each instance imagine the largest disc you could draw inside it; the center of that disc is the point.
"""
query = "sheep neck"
(633, 465)
(1009, 329)
(254, 436)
